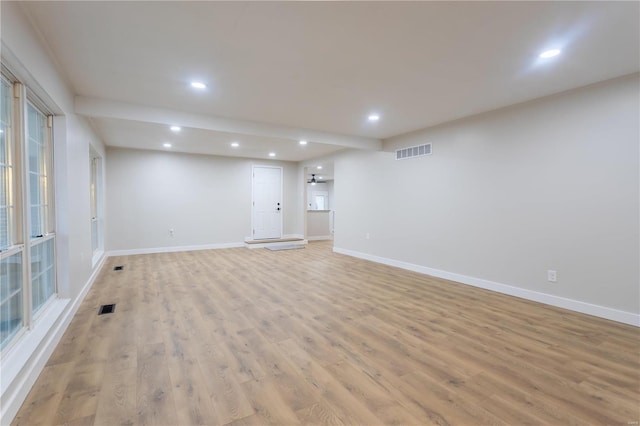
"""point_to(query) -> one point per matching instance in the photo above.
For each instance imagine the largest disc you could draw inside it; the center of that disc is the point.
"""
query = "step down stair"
(276, 242)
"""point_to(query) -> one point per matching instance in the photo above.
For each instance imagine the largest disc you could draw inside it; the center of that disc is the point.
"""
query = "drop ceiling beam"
(95, 107)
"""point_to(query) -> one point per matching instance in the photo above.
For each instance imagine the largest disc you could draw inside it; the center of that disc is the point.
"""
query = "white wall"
(205, 199)
(24, 54)
(77, 208)
(507, 195)
(318, 225)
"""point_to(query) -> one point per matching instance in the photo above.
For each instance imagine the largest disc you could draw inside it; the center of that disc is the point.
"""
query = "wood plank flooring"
(252, 337)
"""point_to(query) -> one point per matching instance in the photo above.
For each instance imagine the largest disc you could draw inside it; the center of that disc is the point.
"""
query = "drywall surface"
(552, 184)
(318, 224)
(205, 200)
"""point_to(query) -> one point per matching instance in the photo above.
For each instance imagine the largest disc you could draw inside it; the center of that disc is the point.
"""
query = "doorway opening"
(319, 209)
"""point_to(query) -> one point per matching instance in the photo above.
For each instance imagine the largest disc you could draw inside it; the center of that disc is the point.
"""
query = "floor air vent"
(118, 268)
(107, 309)
(413, 151)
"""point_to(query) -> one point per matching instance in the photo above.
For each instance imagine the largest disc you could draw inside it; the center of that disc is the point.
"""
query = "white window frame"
(11, 167)
(20, 230)
(15, 232)
(46, 221)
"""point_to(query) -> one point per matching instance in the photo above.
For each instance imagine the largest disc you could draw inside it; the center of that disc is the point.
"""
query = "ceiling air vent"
(413, 151)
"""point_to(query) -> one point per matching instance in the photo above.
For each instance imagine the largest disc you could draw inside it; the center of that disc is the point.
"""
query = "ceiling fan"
(313, 180)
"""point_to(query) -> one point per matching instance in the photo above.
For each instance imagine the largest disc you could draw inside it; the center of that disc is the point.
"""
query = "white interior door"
(267, 202)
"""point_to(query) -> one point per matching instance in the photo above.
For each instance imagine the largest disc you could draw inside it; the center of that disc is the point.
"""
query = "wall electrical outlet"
(367, 236)
(171, 232)
(552, 276)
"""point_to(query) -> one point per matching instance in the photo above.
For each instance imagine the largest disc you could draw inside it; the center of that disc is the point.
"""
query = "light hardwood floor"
(245, 337)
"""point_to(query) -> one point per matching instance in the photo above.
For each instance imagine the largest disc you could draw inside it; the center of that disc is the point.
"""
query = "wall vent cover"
(118, 268)
(413, 151)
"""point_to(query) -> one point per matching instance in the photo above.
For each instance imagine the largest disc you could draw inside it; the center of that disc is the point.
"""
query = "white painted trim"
(175, 249)
(87, 286)
(548, 299)
(18, 373)
(319, 238)
(97, 257)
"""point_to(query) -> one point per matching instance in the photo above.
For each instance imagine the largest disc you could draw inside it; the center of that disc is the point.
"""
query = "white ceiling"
(279, 71)
(143, 135)
(324, 173)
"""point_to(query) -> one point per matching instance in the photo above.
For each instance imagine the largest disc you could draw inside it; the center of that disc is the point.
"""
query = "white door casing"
(267, 202)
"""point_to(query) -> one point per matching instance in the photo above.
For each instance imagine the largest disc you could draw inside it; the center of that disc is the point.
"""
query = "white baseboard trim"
(111, 253)
(97, 258)
(87, 286)
(319, 238)
(548, 299)
(19, 373)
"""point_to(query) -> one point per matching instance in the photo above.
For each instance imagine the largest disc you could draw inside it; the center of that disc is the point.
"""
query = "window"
(38, 167)
(11, 307)
(27, 238)
(6, 167)
(319, 200)
(11, 317)
(42, 276)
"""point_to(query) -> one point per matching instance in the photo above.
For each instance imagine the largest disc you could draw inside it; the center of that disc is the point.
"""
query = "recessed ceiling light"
(550, 53)
(175, 128)
(198, 85)
(272, 154)
(319, 167)
(303, 142)
(374, 117)
(235, 144)
(166, 145)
